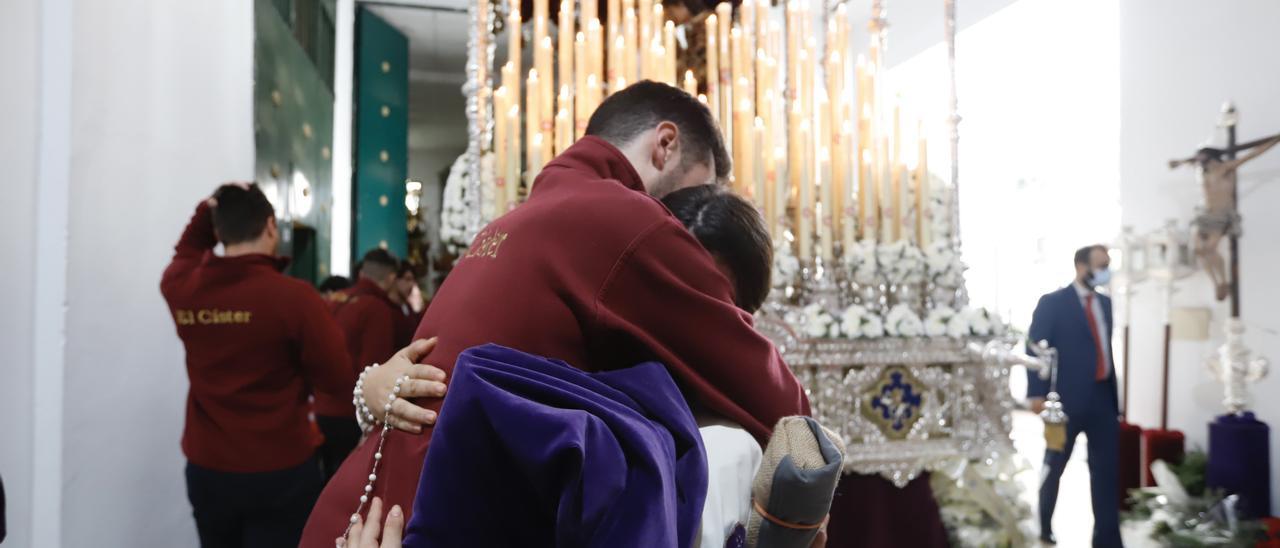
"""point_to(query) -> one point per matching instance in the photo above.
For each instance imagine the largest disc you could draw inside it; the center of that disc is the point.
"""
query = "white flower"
(858, 322)
(873, 327)
(958, 326)
(786, 267)
(861, 260)
(901, 321)
(979, 323)
(900, 262)
(817, 322)
(943, 265)
(938, 321)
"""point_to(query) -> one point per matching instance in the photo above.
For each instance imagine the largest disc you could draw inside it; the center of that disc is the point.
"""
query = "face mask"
(1100, 277)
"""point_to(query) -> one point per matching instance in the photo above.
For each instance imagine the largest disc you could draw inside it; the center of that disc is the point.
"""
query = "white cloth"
(1098, 317)
(733, 457)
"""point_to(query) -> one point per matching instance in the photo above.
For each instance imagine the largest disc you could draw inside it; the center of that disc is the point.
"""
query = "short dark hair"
(1082, 254)
(643, 105)
(334, 283)
(732, 230)
(405, 267)
(378, 262)
(241, 214)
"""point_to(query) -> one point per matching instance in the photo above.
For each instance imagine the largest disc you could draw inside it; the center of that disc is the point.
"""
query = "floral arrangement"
(943, 321)
(901, 321)
(981, 502)
(815, 322)
(859, 323)
(786, 267)
(900, 263)
(1181, 511)
(456, 208)
(943, 267)
(862, 263)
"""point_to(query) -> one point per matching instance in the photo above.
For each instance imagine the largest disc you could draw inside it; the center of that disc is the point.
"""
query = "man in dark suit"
(1076, 320)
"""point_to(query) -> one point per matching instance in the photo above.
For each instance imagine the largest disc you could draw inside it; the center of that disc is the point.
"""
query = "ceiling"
(437, 33)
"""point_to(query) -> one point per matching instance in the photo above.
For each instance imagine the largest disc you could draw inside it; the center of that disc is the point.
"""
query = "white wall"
(18, 62)
(1180, 59)
(160, 113)
(163, 113)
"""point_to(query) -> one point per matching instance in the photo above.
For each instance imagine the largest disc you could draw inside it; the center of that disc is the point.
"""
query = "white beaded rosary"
(367, 422)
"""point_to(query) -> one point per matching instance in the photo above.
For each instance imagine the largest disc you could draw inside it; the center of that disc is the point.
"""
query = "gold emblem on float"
(893, 403)
(211, 316)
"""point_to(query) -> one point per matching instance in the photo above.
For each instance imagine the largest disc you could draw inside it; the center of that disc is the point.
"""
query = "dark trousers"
(1102, 428)
(251, 510)
(341, 435)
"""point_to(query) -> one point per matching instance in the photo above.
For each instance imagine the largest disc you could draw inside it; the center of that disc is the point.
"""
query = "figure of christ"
(1219, 217)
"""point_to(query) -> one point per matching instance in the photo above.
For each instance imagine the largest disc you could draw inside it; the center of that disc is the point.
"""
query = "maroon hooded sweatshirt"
(593, 271)
(258, 343)
(369, 321)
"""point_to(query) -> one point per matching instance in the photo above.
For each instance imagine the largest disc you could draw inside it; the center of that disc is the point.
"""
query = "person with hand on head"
(592, 270)
(257, 343)
(1076, 320)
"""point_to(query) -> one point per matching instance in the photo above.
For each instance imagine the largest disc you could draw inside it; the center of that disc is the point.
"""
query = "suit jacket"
(1060, 319)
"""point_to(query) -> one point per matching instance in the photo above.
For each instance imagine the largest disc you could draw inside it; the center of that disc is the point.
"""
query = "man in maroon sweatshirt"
(592, 270)
(258, 343)
(370, 322)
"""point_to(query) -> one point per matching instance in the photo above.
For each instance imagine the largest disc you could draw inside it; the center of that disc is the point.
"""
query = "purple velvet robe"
(530, 451)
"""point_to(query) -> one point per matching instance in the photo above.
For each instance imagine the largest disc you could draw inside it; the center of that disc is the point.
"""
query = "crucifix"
(1219, 217)
(1234, 364)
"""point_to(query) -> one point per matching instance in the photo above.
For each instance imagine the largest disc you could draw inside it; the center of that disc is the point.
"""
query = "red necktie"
(1101, 372)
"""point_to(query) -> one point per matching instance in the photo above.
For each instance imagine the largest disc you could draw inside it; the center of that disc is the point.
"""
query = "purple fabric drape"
(530, 451)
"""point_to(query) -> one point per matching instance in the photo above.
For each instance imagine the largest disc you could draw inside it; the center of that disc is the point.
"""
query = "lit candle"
(630, 44)
(645, 11)
(922, 191)
(536, 159)
(595, 48)
(669, 53)
(564, 128)
(724, 16)
(513, 152)
(500, 149)
(805, 206)
(824, 224)
(580, 86)
(533, 125)
(759, 172)
(781, 193)
(545, 89)
(514, 41)
(713, 67)
(613, 36)
(565, 47)
(690, 83)
(899, 201)
(616, 82)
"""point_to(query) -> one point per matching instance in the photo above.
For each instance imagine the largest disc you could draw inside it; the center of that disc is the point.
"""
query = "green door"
(382, 133)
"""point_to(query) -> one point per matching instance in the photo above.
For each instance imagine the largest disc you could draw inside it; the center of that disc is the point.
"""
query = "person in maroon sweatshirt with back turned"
(258, 343)
(370, 322)
(592, 270)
